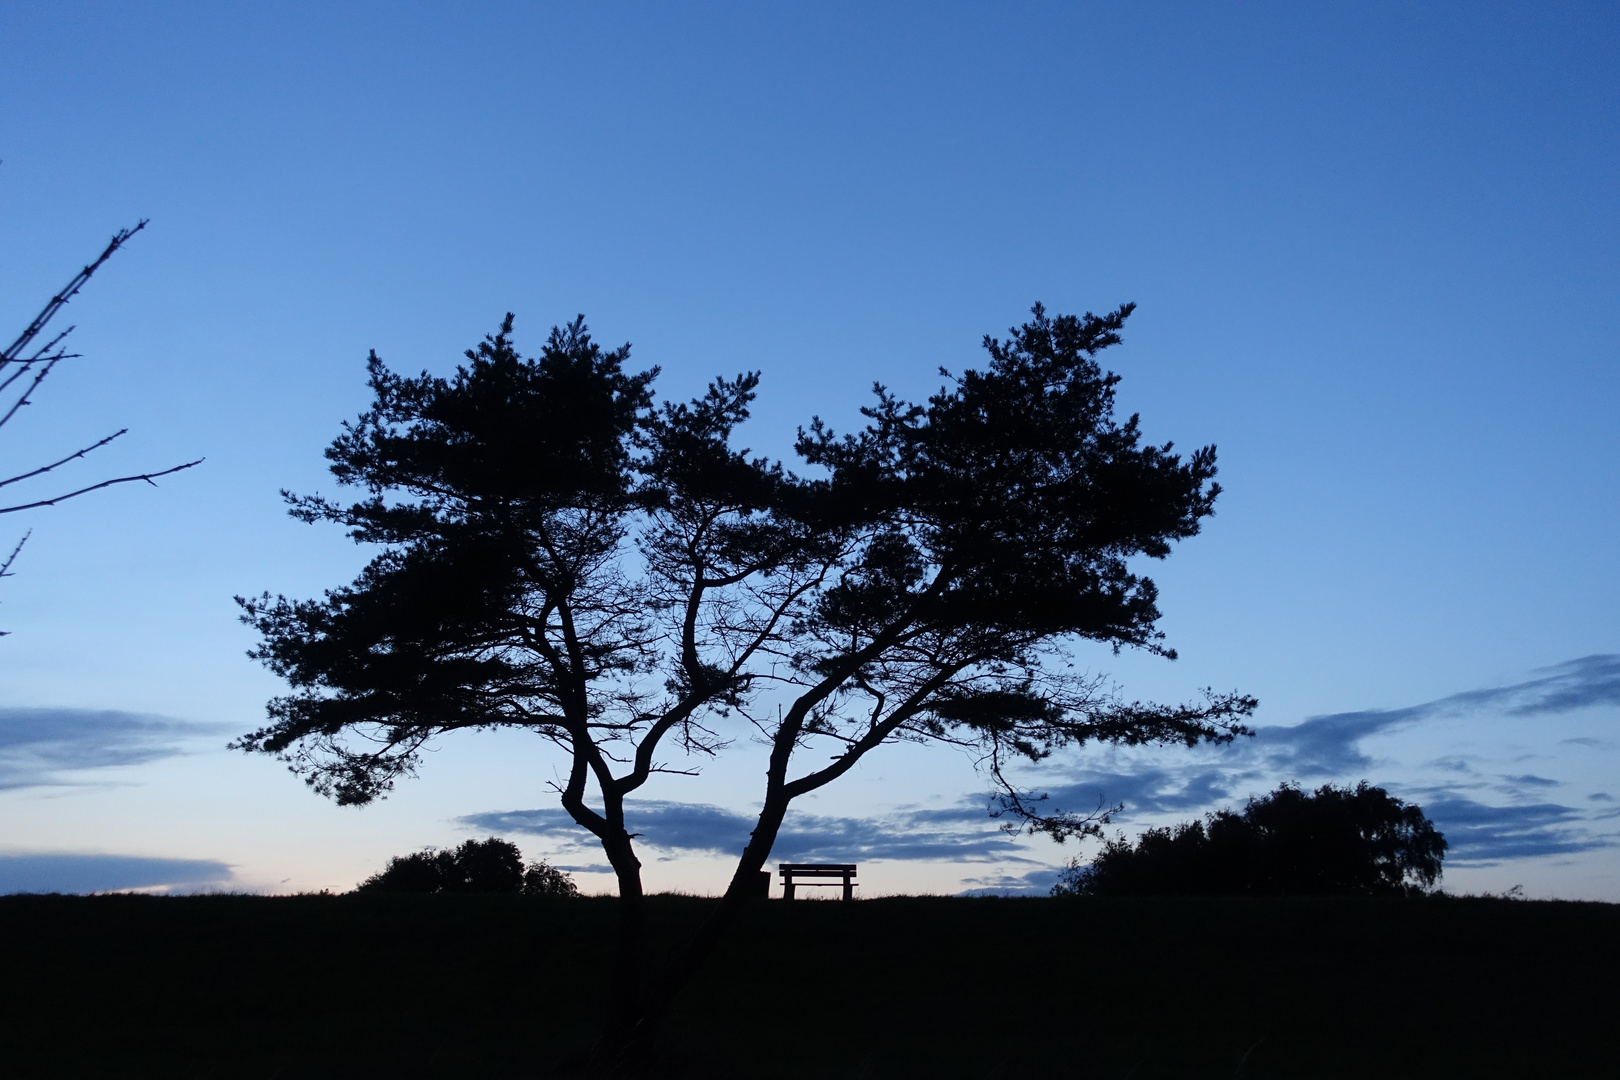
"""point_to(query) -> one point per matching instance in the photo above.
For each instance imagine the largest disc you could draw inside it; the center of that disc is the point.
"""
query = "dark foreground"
(494, 986)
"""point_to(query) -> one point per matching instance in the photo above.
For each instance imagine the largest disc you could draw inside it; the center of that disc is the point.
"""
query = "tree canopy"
(557, 551)
(1358, 841)
(477, 866)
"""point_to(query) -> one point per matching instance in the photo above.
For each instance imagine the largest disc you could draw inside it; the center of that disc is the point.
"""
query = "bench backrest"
(837, 870)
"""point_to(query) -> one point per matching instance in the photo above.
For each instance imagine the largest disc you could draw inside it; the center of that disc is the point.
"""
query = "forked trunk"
(627, 1049)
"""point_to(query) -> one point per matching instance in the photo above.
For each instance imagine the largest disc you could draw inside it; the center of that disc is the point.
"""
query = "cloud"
(901, 836)
(1577, 684)
(1482, 835)
(1530, 780)
(1030, 883)
(961, 833)
(37, 744)
(1331, 747)
(1328, 745)
(1150, 790)
(107, 873)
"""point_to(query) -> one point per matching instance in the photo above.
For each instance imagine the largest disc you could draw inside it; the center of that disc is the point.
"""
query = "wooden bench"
(845, 872)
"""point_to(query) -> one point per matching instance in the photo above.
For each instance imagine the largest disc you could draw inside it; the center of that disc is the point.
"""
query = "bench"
(845, 872)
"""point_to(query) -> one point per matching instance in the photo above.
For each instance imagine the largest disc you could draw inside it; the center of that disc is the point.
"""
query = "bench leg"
(787, 889)
(849, 890)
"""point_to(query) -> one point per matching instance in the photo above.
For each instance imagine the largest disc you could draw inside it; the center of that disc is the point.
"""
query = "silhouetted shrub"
(1334, 841)
(422, 872)
(492, 865)
(543, 880)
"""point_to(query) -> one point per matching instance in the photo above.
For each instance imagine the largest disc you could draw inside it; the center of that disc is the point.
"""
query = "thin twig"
(148, 477)
(70, 457)
(61, 298)
(5, 567)
(26, 394)
(25, 366)
(40, 352)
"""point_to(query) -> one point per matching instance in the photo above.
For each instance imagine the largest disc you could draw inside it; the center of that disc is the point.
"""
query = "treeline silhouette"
(477, 866)
(1358, 841)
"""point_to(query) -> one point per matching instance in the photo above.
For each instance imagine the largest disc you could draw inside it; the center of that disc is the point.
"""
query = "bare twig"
(22, 399)
(76, 454)
(148, 477)
(25, 366)
(5, 567)
(60, 299)
(40, 364)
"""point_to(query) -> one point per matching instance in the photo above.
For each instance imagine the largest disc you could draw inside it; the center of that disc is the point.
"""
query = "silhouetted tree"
(418, 872)
(563, 555)
(1335, 841)
(542, 879)
(477, 866)
(25, 364)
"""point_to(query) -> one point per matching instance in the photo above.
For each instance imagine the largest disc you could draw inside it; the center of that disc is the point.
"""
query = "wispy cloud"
(1030, 883)
(37, 745)
(1147, 790)
(1531, 780)
(961, 833)
(1329, 745)
(1484, 835)
(1322, 747)
(1577, 684)
(67, 873)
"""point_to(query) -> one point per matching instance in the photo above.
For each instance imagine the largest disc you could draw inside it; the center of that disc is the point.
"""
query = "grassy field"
(494, 986)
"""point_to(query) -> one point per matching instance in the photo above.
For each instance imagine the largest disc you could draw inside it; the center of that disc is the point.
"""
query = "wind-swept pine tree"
(562, 554)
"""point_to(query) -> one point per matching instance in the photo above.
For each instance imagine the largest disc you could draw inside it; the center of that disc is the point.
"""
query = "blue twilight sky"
(1375, 249)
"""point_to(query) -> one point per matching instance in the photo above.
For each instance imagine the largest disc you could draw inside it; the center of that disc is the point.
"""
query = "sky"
(1377, 263)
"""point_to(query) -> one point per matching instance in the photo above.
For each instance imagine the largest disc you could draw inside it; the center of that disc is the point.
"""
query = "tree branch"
(22, 399)
(148, 477)
(56, 302)
(77, 454)
(875, 736)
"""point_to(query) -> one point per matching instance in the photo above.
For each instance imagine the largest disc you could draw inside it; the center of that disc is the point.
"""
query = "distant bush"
(1334, 841)
(541, 879)
(492, 865)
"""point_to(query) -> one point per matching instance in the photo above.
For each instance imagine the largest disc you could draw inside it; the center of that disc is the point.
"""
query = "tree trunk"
(626, 984)
(635, 1050)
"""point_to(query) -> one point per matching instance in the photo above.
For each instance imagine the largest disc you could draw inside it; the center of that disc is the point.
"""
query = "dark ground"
(497, 986)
